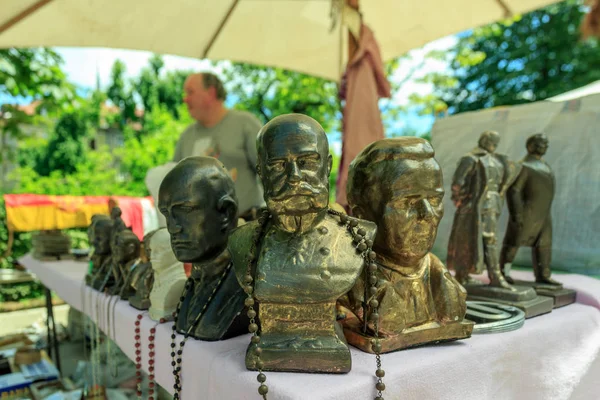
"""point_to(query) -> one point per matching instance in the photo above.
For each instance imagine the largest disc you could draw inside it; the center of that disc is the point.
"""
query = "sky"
(83, 65)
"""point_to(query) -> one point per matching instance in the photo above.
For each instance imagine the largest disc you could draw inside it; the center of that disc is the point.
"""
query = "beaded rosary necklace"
(112, 305)
(363, 247)
(138, 357)
(176, 362)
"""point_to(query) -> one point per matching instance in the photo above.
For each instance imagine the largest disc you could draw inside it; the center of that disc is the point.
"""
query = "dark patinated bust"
(198, 200)
(126, 257)
(397, 183)
(298, 261)
(529, 201)
(103, 229)
(100, 244)
(142, 278)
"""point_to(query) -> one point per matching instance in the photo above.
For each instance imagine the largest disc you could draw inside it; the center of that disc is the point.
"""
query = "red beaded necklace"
(151, 354)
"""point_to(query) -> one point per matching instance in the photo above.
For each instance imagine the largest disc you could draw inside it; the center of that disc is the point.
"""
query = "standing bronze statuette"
(529, 201)
(397, 183)
(299, 257)
(478, 187)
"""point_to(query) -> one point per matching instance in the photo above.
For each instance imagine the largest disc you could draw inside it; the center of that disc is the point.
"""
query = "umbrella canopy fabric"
(292, 34)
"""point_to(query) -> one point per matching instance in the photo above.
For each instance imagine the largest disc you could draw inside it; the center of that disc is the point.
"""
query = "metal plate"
(493, 317)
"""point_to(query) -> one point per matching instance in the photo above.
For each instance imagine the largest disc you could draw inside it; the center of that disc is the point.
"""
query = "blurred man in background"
(226, 134)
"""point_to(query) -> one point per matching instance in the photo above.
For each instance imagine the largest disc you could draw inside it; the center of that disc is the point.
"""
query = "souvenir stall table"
(553, 356)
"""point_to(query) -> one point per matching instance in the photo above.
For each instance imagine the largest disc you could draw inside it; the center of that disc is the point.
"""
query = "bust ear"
(358, 212)
(228, 209)
(131, 248)
(258, 170)
(329, 164)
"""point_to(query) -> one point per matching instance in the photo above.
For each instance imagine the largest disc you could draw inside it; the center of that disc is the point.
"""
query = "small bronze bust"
(103, 229)
(478, 187)
(397, 183)
(100, 246)
(529, 201)
(198, 200)
(142, 278)
(126, 257)
(297, 259)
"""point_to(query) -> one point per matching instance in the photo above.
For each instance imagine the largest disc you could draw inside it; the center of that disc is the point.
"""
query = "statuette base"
(430, 333)
(140, 304)
(538, 305)
(562, 297)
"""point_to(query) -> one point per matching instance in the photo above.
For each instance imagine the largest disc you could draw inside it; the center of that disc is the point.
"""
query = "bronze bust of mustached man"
(300, 256)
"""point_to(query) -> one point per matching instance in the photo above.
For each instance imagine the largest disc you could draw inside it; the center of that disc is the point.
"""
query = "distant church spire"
(97, 78)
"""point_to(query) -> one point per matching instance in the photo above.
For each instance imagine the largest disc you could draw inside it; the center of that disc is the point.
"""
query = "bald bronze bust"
(197, 198)
(529, 201)
(397, 183)
(299, 258)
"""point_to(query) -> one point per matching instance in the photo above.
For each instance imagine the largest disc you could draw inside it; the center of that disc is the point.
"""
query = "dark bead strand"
(263, 389)
(138, 358)
(176, 355)
(364, 247)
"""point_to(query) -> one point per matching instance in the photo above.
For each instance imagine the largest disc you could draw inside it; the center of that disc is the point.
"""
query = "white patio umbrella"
(293, 34)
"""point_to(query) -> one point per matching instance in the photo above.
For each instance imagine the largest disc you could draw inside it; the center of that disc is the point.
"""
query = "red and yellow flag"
(33, 212)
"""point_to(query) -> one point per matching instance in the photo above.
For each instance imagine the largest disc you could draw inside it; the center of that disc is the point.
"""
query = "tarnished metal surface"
(397, 183)
(493, 317)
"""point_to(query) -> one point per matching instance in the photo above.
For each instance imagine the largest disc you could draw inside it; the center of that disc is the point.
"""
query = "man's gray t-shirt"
(233, 142)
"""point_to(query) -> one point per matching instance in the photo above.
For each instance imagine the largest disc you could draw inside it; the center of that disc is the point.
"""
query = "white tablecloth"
(554, 356)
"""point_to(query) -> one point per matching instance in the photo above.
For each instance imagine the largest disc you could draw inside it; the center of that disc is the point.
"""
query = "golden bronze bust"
(197, 198)
(397, 183)
(480, 181)
(299, 257)
(529, 201)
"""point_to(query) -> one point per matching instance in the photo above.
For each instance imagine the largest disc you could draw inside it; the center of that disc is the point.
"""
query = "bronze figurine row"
(483, 178)
(304, 279)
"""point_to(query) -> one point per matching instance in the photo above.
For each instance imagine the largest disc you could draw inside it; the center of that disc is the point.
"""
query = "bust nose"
(425, 210)
(173, 226)
(294, 173)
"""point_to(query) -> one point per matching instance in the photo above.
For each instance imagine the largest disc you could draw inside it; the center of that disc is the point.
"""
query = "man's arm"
(251, 128)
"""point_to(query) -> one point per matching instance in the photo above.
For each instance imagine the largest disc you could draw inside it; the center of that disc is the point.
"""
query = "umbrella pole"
(23, 14)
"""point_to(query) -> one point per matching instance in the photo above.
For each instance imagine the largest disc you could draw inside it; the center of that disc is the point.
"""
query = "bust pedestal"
(299, 278)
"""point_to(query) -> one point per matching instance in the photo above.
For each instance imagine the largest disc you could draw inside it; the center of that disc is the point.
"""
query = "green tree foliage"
(121, 94)
(523, 59)
(66, 149)
(33, 74)
(268, 92)
(152, 148)
(157, 89)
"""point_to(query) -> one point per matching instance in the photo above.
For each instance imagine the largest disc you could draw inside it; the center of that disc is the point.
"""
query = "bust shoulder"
(239, 245)
(435, 264)
(369, 227)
